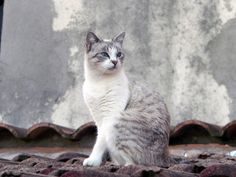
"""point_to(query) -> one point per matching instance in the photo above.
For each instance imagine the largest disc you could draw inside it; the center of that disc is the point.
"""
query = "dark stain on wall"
(222, 51)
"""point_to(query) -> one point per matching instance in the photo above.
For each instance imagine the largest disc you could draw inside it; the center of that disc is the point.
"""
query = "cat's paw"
(92, 162)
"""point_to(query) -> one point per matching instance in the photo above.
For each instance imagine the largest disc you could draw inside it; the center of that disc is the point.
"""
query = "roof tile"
(37, 129)
(70, 165)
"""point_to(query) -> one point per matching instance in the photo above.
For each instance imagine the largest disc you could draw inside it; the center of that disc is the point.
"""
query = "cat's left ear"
(119, 38)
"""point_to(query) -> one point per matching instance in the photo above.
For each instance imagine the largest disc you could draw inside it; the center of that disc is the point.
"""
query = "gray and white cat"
(132, 121)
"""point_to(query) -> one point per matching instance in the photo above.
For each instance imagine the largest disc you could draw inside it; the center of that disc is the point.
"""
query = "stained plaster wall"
(183, 48)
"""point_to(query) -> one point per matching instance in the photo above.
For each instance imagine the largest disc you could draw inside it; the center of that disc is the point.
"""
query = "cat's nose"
(114, 62)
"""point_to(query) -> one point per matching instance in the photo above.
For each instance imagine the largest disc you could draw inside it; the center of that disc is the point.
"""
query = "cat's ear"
(119, 38)
(90, 40)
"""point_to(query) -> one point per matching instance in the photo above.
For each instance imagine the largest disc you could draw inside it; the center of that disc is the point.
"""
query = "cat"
(133, 123)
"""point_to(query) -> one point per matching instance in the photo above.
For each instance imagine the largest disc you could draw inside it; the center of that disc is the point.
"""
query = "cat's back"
(147, 109)
(148, 101)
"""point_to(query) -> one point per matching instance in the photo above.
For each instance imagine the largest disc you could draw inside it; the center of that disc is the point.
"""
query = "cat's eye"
(118, 54)
(105, 54)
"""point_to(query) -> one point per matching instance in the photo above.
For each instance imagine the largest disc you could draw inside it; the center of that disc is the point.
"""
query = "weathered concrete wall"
(183, 48)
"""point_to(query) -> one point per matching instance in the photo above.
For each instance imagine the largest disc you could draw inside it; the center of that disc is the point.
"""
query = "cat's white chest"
(106, 100)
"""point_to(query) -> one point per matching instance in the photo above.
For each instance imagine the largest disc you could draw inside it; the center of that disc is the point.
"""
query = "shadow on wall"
(1, 18)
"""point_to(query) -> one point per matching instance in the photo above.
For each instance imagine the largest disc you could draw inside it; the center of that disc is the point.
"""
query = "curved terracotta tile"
(15, 131)
(40, 128)
(229, 130)
(87, 128)
(219, 170)
(213, 130)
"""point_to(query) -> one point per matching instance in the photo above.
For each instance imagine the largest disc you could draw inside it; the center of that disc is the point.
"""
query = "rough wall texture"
(184, 48)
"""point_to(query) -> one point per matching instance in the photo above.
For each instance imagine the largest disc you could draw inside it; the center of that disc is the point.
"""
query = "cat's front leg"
(95, 158)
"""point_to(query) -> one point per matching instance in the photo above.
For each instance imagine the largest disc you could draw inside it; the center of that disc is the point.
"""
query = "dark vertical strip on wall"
(1, 18)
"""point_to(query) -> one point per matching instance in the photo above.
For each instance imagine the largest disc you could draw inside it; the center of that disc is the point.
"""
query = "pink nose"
(114, 62)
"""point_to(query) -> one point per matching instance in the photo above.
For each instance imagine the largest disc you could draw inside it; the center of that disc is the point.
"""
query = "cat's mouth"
(112, 68)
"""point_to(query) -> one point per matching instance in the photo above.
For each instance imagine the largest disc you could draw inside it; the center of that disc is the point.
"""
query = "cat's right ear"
(90, 40)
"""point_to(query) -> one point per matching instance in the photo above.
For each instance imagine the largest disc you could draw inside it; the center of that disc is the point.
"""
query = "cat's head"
(105, 56)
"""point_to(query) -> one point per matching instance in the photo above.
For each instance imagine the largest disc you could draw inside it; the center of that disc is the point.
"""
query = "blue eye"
(105, 54)
(118, 54)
